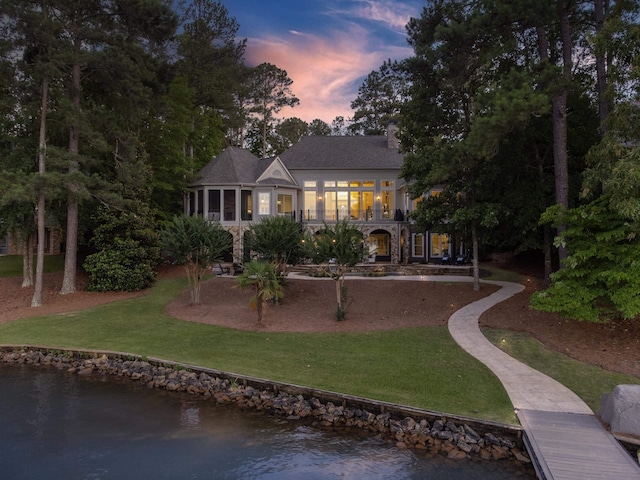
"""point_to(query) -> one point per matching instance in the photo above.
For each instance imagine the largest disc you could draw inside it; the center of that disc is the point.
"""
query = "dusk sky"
(327, 47)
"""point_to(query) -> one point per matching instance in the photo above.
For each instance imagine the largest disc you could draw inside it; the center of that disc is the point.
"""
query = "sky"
(327, 47)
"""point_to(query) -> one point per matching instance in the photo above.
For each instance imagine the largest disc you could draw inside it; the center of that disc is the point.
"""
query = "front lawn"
(422, 367)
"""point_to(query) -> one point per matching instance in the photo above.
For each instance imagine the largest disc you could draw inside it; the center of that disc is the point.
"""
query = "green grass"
(587, 381)
(11, 265)
(422, 367)
(499, 274)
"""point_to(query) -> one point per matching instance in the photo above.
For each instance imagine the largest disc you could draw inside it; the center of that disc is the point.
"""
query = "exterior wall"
(53, 243)
(397, 229)
(400, 236)
(396, 232)
(238, 242)
(199, 203)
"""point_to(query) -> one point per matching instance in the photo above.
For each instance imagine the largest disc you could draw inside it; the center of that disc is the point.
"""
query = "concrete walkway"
(565, 439)
(527, 388)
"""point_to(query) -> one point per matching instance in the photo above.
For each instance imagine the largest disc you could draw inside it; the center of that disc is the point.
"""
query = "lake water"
(55, 425)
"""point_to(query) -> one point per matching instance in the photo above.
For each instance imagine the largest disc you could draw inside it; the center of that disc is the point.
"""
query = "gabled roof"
(237, 166)
(276, 174)
(340, 153)
(234, 165)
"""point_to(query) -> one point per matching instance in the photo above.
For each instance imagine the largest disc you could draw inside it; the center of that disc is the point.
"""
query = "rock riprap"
(435, 435)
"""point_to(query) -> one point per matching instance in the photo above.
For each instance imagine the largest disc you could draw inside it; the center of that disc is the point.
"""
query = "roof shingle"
(340, 153)
(233, 166)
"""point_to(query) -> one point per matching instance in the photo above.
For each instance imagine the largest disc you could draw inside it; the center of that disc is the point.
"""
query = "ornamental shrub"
(127, 250)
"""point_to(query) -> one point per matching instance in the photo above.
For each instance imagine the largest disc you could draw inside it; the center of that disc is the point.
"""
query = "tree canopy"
(120, 93)
(505, 98)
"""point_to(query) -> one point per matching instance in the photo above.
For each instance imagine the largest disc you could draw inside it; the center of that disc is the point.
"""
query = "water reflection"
(56, 425)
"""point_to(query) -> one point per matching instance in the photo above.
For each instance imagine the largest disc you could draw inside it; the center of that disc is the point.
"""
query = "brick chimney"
(392, 139)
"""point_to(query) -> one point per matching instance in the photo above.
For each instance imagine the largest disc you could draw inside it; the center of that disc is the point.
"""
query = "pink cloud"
(392, 13)
(326, 71)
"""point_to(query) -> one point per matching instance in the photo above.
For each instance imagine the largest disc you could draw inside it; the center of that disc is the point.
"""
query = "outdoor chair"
(218, 269)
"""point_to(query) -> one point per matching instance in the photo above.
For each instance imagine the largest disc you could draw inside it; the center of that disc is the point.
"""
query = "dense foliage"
(278, 240)
(128, 250)
(113, 88)
(601, 277)
(505, 109)
(197, 244)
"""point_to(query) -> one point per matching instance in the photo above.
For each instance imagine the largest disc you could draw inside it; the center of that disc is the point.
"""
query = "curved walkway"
(565, 439)
(527, 388)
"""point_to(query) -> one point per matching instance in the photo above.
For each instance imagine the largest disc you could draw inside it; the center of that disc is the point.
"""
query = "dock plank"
(571, 446)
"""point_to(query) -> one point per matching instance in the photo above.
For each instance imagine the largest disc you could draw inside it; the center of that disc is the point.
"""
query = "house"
(319, 179)
(52, 243)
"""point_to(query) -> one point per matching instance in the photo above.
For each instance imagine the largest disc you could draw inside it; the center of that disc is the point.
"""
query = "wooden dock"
(570, 446)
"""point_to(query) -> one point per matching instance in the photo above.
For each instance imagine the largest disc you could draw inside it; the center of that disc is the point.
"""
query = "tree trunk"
(560, 159)
(600, 8)
(476, 266)
(71, 252)
(559, 111)
(259, 306)
(546, 245)
(264, 135)
(546, 228)
(339, 284)
(560, 149)
(36, 300)
(27, 262)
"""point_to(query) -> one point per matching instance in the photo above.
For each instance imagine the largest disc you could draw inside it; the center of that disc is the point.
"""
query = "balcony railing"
(371, 215)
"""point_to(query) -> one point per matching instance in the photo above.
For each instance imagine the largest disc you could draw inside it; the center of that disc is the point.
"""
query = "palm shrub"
(197, 244)
(263, 279)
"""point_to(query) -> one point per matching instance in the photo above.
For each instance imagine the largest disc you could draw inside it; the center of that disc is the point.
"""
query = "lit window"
(439, 244)
(418, 245)
(330, 205)
(285, 204)
(310, 204)
(309, 184)
(387, 204)
(264, 202)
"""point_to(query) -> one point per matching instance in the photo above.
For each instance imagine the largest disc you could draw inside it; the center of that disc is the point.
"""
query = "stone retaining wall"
(406, 427)
(382, 269)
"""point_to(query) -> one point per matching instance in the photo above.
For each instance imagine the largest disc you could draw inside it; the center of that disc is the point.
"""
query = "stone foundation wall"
(405, 427)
